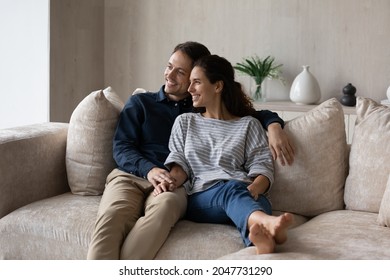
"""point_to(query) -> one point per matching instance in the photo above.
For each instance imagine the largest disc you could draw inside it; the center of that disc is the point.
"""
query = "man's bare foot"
(262, 239)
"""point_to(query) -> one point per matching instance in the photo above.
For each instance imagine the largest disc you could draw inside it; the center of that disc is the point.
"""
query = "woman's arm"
(176, 159)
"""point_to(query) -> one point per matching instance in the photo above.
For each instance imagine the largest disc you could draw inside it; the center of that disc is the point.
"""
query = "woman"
(218, 156)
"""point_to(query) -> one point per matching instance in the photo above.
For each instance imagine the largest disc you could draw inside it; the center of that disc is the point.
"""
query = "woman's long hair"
(217, 68)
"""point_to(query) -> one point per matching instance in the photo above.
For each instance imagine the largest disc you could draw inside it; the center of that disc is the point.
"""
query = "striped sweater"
(210, 150)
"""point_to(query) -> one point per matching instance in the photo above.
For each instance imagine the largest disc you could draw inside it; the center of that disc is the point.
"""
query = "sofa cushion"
(384, 210)
(89, 143)
(193, 241)
(314, 183)
(336, 235)
(56, 228)
(369, 161)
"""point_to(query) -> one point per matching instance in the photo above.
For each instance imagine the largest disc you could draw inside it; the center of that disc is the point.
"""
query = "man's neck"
(177, 97)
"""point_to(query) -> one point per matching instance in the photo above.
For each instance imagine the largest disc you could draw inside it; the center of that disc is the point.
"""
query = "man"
(133, 223)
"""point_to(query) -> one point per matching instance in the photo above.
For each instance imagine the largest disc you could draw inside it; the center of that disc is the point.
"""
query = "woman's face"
(204, 93)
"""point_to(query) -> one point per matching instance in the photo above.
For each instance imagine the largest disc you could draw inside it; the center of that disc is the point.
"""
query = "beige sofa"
(52, 176)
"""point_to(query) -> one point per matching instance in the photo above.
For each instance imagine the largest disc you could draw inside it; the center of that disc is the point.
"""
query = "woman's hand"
(259, 186)
(164, 181)
(164, 187)
(157, 175)
(161, 179)
(280, 146)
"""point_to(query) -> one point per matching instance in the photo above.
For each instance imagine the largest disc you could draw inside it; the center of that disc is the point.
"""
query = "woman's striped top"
(210, 150)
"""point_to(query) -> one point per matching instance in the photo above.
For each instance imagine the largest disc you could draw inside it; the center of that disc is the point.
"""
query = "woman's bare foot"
(277, 226)
(282, 223)
(262, 239)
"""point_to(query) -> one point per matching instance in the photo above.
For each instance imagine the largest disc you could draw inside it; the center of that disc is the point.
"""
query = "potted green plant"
(259, 69)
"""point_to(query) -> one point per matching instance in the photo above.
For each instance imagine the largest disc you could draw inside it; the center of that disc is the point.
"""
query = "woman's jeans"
(226, 202)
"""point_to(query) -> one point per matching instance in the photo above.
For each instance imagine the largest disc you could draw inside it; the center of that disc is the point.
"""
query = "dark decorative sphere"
(348, 98)
(349, 89)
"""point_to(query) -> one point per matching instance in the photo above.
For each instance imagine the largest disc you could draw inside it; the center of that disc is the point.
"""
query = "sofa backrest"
(314, 183)
(369, 161)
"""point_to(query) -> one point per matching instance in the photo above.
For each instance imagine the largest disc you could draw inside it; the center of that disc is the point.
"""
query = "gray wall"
(343, 42)
(76, 53)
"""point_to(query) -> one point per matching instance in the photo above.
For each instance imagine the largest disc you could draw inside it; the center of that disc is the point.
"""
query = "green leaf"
(259, 69)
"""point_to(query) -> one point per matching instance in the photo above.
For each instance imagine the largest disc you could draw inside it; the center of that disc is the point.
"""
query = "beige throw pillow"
(384, 210)
(314, 183)
(369, 161)
(89, 143)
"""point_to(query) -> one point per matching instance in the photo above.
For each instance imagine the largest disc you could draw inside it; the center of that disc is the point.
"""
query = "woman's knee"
(265, 204)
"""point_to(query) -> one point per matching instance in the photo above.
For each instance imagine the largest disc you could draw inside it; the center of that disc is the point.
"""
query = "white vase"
(388, 93)
(305, 88)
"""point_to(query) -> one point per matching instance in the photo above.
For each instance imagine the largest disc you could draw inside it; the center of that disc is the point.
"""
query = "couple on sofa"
(219, 156)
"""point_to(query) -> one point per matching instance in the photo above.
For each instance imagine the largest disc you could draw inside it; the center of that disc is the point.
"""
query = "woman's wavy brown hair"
(217, 68)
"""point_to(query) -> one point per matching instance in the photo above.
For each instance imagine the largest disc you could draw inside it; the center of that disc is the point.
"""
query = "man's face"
(177, 76)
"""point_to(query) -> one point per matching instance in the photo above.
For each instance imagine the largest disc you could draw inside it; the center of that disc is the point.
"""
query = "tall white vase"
(388, 93)
(305, 88)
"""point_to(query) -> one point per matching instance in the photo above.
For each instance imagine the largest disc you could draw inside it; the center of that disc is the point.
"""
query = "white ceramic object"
(305, 88)
(388, 93)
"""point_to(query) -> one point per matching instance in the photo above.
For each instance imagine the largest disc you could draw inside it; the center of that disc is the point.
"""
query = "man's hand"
(280, 146)
(164, 187)
(161, 180)
(164, 181)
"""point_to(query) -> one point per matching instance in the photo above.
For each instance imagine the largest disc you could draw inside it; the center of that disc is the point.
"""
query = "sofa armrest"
(32, 164)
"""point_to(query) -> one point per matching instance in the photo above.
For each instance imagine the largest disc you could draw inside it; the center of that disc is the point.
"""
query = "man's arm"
(281, 147)
(126, 141)
(267, 117)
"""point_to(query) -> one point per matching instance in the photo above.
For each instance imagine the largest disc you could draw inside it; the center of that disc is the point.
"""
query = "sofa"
(53, 176)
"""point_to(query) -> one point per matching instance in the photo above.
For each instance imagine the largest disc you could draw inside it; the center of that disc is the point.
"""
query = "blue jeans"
(226, 202)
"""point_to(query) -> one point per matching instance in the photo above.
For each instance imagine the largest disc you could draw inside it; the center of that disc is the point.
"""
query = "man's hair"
(194, 50)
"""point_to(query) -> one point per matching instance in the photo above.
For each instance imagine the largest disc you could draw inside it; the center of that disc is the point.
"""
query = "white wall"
(24, 62)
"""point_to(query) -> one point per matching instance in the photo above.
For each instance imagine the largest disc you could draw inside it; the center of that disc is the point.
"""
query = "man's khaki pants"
(131, 222)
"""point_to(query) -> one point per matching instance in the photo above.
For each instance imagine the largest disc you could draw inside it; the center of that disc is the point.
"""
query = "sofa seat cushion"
(197, 241)
(55, 228)
(342, 234)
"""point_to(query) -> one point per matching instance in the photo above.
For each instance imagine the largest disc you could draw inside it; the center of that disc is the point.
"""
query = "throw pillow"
(314, 183)
(384, 210)
(89, 142)
(369, 161)
(139, 90)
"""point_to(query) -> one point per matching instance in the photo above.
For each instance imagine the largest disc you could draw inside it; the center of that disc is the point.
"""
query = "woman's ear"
(219, 86)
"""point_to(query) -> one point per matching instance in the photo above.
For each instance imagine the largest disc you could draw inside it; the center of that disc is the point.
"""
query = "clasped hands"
(161, 180)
